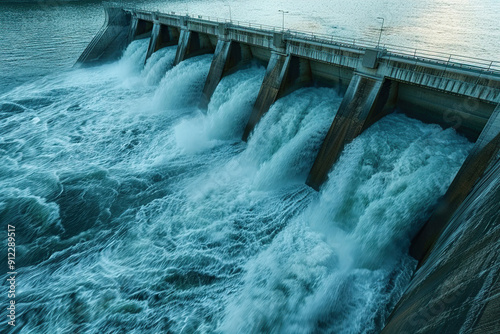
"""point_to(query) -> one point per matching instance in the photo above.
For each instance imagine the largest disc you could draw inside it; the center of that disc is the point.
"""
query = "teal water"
(137, 213)
(40, 37)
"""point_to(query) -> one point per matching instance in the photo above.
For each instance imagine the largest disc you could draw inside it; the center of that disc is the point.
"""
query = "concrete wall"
(111, 40)
(269, 91)
(143, 29)
(331, 75)
(469, 83)
(192, 44)
(330, 54)
(298, 74)
(168, 36)
(485, 150)
(261, 54)
(365, 102)
(467, 115)
(457, 290)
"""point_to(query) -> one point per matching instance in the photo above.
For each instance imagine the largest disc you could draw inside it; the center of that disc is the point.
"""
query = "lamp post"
(381, 28)
(230, 17)
(283, 22)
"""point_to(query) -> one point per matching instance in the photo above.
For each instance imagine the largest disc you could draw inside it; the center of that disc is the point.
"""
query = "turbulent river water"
(137, 213)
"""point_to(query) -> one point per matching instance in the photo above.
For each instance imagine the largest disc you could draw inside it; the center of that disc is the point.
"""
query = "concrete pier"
(457, 288)
(183, 46)
(192, 44)
(153, 40)
(364, 103)
(269, 91)
(486, 149)
(217, 69)
(133, 29)
(161, 36)
(228, 56)
(111, 40)
(284, 75)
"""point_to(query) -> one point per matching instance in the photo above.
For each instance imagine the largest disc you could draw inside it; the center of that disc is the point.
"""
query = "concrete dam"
(455, 288)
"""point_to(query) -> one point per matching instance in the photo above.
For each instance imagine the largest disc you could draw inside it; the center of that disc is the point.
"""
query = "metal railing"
(334, 56)
(435, 57)
(439, 80)
(442, 58)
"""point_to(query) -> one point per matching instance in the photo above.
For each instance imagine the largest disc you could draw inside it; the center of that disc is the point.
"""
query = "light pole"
(230, 17)
(283, 22)
(381, 28)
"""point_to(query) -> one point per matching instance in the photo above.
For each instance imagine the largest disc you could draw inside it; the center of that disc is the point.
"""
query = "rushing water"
(137, 213)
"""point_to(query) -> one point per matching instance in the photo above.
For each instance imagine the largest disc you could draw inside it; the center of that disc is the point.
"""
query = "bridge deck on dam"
(431, 87)
(452, 91)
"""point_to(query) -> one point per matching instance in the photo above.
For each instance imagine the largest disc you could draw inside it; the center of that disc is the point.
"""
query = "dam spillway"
(448, 93)
(375, 82)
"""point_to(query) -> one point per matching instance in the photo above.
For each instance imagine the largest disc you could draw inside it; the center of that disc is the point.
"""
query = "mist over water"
(137, 212)
(340, 265)
(227, 113)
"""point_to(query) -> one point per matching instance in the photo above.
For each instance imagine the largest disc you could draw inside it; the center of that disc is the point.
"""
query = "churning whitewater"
(136, 212)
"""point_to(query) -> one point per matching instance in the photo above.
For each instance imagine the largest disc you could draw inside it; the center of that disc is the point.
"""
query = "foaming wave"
(132, 60)
(227, 114)
(94, 115)
(285, 142)
(342, 264)
(158, 64)
(181, 87)
(125, 231)
(280, 151)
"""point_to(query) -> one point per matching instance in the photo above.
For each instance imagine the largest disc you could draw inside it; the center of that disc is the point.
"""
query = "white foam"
(158, 64)
(284, 144)
(181, 87)
(191, 226)
(227, 113)
(330, 269)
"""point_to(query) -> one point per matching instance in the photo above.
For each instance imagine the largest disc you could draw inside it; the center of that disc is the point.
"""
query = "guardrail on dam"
(451, 91)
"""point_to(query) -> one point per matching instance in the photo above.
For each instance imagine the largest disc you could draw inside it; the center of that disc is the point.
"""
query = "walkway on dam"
(373, 80)
(452, 91)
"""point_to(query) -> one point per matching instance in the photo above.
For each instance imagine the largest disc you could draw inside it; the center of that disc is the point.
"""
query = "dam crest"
(462, 93)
